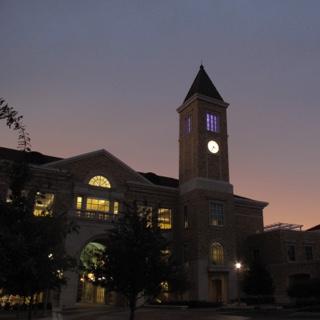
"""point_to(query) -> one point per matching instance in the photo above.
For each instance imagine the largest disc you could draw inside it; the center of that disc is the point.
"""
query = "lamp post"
(238, 267)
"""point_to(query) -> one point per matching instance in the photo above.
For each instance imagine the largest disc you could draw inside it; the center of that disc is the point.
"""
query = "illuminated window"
(116, 207)
(147, 211)
(217, 255)
(100, 205)
(216, 214)
(213, 122)
(188, 124)
(79, 203)
(164, 218)
(100, 181)
(43, 204)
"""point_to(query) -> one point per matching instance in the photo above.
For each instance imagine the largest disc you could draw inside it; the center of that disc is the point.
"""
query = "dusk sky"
(97, 74)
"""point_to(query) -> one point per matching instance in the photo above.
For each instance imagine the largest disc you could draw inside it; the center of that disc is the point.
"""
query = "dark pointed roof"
(202, 84)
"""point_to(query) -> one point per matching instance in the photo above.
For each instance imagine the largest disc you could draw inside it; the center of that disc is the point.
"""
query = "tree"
(14, 121)
(32, 253)
(135, 262)
(257, 280)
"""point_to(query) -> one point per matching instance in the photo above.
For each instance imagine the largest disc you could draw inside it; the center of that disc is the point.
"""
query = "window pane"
(43, 204)
(216, 213)
(217, 253)
(308, 252)
(291, 253)
(79, 203)
(116, 207)
(146, 210)
(188, 124)
(212, 122)
(164, 218)
(100, 181)
(94, 204)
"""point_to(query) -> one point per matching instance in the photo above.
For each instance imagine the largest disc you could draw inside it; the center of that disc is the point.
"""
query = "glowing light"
(238, 265)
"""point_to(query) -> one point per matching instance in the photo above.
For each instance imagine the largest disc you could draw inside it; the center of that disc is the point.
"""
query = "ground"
(108, 313)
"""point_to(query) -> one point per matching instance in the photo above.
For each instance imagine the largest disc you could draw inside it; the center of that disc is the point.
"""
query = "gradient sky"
(106, 74)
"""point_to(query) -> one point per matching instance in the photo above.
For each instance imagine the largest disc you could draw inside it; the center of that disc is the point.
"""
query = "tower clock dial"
(213, 146)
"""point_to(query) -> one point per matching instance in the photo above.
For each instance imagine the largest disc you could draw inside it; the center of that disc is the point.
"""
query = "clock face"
(213, 146)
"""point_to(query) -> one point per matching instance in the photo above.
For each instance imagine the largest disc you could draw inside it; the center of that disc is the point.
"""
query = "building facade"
(207, 223)
(290, 254)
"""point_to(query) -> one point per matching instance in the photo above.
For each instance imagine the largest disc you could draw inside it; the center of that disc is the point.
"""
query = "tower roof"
(202, 84)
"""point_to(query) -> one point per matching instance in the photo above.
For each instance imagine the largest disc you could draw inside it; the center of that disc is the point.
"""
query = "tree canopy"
(136, 261)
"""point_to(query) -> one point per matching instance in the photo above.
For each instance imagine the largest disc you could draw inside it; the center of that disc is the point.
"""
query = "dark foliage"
(257, 280)
(14, 121)
(135, 262)
(32, 250)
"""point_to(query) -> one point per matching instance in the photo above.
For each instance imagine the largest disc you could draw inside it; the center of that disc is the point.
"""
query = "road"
(110, 313)
(107, 313)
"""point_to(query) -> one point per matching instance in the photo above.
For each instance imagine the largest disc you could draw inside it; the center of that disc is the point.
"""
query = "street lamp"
(238, 267)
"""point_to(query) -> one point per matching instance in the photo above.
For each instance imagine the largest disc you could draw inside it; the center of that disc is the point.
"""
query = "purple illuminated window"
(188, 124)
(213, 122)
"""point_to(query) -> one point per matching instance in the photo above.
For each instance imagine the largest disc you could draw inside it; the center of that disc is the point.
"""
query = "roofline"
(204, 98)
(256, 203)
(96, 152)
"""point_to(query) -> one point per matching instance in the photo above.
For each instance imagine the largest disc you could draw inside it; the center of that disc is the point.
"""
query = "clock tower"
(203, 137)
(206, 220)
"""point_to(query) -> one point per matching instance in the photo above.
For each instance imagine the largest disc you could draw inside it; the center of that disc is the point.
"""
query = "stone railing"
(95, 215)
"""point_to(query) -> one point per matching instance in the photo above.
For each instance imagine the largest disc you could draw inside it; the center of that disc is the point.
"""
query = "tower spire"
(202, 84)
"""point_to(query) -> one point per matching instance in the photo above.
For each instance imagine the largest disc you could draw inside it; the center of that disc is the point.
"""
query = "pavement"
(101, 312)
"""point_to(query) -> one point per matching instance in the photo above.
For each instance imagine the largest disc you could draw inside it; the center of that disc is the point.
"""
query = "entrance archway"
(88, 291)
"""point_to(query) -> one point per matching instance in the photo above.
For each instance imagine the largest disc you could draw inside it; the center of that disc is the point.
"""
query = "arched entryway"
(88, 291)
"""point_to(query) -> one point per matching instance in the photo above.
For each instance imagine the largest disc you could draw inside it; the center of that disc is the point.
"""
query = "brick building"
(207, 223)
(290, 254)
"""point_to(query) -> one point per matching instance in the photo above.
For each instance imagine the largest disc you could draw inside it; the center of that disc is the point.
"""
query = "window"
(217, 255)
(79, 203)
(185, 217)
(99, 181)
(216, 213)
(116, 207)
(147, 211)
(166, 254)
(308, 252)
(164, 218)
(43, 204)
(188, 124)
(291, 251)
(213, 122)
(100, 205)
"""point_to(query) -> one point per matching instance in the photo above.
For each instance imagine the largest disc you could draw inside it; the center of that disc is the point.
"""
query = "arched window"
(100, 181)
(217, 255)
